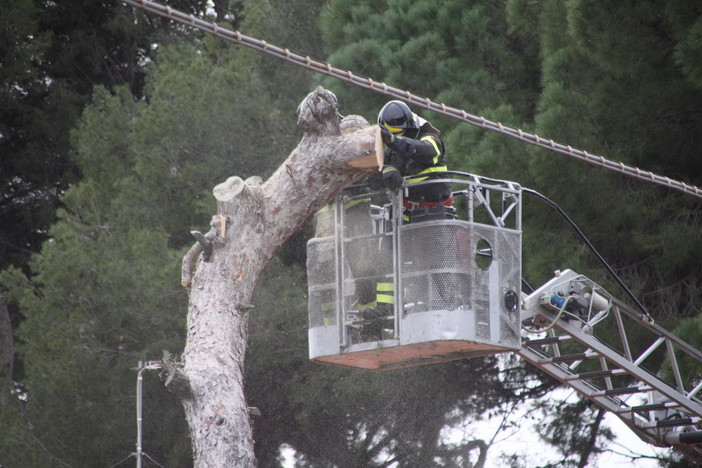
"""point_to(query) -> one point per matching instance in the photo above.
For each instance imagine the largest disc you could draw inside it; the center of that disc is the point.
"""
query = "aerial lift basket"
(449, 280)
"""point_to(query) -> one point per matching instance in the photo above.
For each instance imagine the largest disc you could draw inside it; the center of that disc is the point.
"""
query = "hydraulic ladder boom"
(600, 347)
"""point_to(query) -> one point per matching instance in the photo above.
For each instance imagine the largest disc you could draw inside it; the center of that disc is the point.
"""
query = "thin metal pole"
(141, 367)
(140, 380)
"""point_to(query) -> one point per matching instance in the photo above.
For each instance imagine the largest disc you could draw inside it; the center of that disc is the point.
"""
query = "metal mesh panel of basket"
(321, 261)
(509, 256)
(321, 281)
(505, 249)
(322, 307)
(481, 279)
(436, 270)
(430, 247)
(481, 301)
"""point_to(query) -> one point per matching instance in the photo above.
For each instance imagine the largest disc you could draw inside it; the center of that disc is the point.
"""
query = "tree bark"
(260, 218)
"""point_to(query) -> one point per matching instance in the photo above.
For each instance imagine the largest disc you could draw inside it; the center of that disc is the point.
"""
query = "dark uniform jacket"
(423, 156)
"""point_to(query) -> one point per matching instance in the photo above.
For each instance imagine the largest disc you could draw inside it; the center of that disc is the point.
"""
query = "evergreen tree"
(97, 304)
(611, 79)
(614, 84)
(33, 138)
(105, 292)
(53, 53)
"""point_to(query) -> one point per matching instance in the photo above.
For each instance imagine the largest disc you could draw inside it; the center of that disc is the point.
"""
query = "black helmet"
(397, 117)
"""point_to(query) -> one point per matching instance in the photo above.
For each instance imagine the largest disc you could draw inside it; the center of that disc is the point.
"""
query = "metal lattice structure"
(617, 358)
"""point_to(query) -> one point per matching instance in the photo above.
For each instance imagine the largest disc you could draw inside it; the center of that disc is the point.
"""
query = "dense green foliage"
(166, 123)
(52, 54)
(105, 292)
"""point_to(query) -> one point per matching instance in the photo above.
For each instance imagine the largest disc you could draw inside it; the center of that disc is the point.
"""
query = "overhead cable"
(418, 101)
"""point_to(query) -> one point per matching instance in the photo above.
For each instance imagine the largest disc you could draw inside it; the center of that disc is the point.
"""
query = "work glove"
(392, 178)
(397, 144)
(375, 182)
(387, 136)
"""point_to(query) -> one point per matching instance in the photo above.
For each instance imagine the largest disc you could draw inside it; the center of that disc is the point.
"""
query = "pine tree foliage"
(617, 80)
(612, 86)
(105, 292)
(96, 306)
(53, 53)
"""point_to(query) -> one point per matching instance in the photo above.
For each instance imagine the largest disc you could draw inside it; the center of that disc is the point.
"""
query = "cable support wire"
(418, 101)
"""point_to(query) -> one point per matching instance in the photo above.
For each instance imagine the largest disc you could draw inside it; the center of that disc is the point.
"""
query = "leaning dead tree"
(253, 220)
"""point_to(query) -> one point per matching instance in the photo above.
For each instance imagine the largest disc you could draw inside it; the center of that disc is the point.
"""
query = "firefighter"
(413, 149)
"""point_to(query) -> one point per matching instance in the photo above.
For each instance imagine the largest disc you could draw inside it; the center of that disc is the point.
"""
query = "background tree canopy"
(115, 126)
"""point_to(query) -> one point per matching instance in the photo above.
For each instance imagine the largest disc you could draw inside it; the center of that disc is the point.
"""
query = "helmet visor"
(395, 130)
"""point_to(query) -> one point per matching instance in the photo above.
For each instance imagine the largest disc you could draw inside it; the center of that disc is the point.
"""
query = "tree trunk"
(260, 217)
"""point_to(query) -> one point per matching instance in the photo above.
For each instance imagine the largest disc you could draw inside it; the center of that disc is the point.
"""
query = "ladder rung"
(571, 357)
(549, 340)
(677, 422)
(597, 374)
(620, 391)
(649, 407)
(674, 422)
